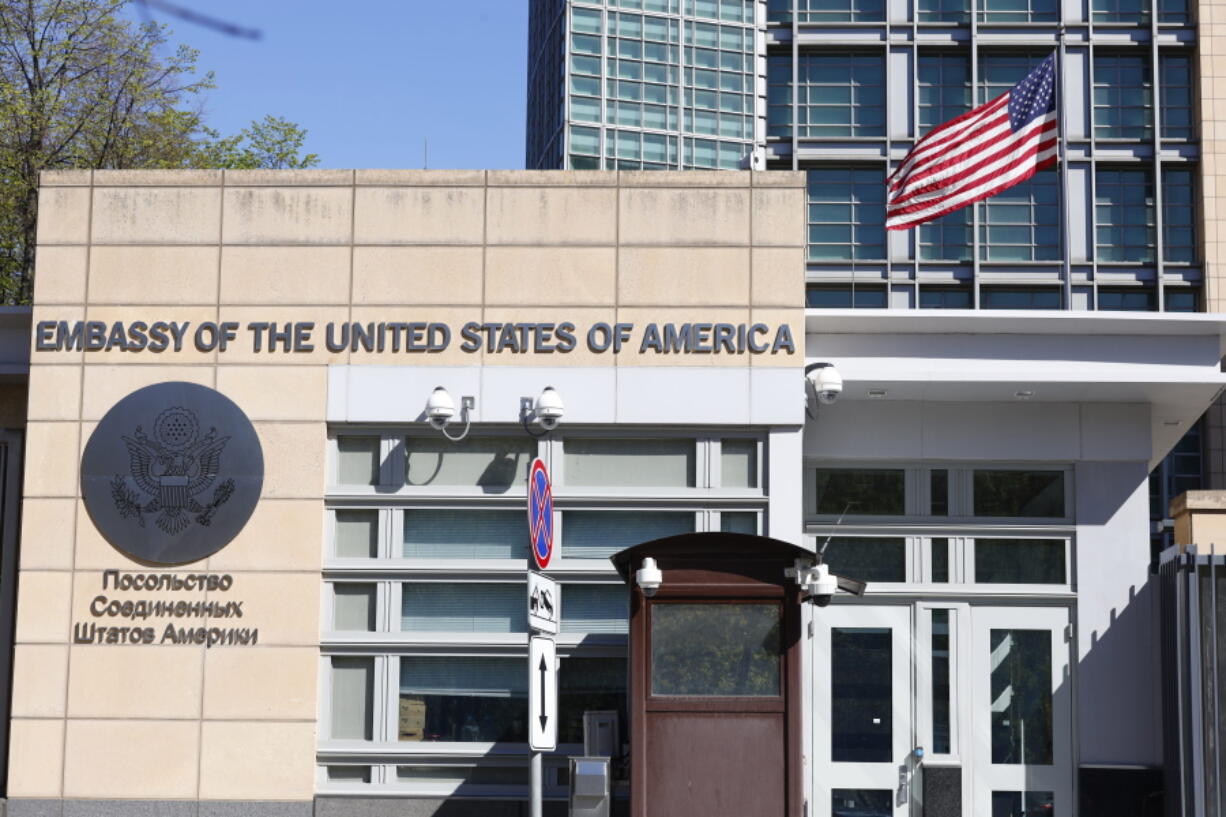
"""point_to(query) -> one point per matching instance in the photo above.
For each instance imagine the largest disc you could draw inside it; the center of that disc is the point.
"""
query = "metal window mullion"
(795, 89)
(889, 263)
(1156, 120)
(1092, 210)
(1066, 244)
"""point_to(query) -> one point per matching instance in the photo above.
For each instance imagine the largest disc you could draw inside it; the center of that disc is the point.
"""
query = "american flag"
(978, 154)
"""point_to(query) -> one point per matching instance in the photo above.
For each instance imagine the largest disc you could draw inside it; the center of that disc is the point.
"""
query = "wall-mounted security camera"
(440, 410)
(818, 584)
(549, 409)
(649, 577)
(824, 381)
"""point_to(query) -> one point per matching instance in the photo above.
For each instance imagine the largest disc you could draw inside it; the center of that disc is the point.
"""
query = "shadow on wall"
(1122, 792)
(406, 807)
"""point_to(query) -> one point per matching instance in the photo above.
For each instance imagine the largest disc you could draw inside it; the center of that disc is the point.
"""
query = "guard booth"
(715, 677)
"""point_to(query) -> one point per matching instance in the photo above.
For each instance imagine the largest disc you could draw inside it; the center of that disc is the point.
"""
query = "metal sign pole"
(543, 617)
(536, 787)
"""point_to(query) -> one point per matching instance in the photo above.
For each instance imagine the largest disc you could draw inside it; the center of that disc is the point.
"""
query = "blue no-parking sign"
(540, 514)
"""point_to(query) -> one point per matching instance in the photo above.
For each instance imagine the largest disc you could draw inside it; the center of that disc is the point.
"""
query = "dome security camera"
(440, 408)
(825, 381)
(549, 408)
(821, 586)
(649, 577)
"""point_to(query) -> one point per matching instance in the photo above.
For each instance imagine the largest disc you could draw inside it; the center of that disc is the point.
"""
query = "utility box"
(589, 787)
(600, 734)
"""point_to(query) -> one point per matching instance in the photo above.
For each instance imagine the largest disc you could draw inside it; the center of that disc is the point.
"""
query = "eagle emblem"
(170, 471)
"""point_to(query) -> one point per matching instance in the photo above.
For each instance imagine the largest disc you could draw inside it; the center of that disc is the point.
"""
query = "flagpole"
(1061, 119)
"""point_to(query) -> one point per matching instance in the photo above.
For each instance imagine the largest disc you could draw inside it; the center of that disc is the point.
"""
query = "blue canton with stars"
(1034, 96)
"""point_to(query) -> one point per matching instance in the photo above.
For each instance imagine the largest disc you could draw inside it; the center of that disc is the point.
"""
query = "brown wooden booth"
(715, 678)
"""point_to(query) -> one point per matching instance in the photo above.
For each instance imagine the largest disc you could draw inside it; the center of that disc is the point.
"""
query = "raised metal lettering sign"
(172, 473)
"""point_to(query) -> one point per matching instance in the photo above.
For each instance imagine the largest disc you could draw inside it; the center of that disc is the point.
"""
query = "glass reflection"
(715, 649)
(1021, 697)
(861, 694)
(1022, 804)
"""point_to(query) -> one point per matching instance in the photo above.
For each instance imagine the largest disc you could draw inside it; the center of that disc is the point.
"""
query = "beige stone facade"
(190, 723)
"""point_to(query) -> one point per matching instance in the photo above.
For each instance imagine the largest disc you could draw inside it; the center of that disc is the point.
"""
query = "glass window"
(1020, 11)
(779, 97)
(1126, 300)
(464, 776)
(861, 801)
(1120, 11)
(1173, 11)
(868, 558)
(999, 72)
(841, 11)
(1019, 298)
(1181, 300)
(827, 296)
(1178, 216)
(437, 533)
(600, 534)
(357, 460)
(463, 699)
(1019, 493)
(590, 685)
(1019, 561)
(493, 464)
(595, 608)
(944, 85)
(353, 607)
(1022, 223)
(705, 650)
(352, 698)
(739, 463)
(942, 691)
(862, 695)
(1175, 72)
(939, 548)
(840, 95)
(938, 491)
(1025, 804)
(738, 522)
(585, 140)
(1123, 96)
(1124, 215)
(357, 534)
(864, 491)
(1021, 698)
(584, 20)
(349, 774)
(665, 463)
(449, 607)
(944, 11)
(947, 238)
(846, 214)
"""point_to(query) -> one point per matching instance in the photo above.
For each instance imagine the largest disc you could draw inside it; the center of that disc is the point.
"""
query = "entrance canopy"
(1170, 363)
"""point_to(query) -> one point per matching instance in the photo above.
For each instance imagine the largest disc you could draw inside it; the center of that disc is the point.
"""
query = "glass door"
(1021, 758)
(863, 725)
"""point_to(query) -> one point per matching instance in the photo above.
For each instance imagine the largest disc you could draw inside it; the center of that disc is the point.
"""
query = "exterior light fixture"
(440, 409)
(877, 394)
(649, 577)
(546, 411)
(1025, 394)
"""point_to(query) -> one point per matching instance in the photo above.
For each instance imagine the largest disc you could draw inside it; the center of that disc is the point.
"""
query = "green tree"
(82, 87)
(272, 143)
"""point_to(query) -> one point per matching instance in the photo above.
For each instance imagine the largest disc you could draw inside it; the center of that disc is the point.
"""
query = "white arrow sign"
(542, 694)
(544, 609)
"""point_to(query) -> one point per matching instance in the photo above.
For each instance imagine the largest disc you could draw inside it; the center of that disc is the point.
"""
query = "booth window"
(425, 601)
(715, 650)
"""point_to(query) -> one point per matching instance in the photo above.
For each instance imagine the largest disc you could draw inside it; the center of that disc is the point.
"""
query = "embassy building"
(247, 575)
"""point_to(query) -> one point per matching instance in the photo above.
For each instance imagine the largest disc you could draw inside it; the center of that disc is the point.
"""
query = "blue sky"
(371, 79)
